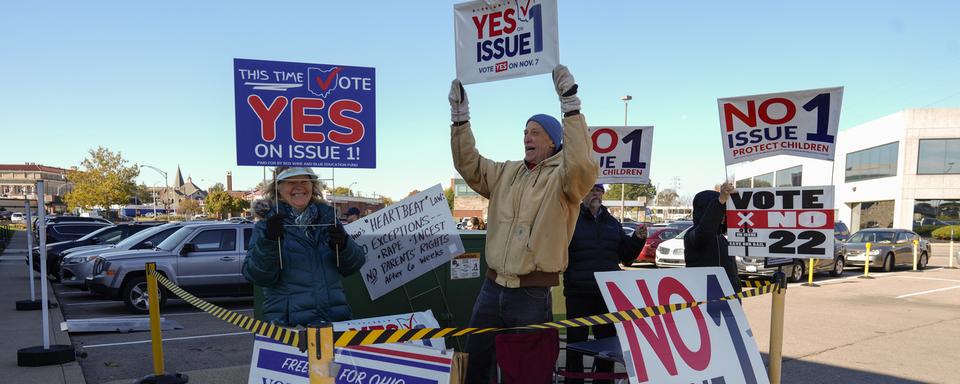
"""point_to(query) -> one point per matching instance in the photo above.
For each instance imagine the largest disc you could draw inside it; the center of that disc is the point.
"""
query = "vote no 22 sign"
(623, 153)
(795, 222)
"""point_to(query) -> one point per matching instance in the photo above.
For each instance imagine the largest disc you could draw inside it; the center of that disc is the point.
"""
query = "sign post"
(32, 304)
(45, 354)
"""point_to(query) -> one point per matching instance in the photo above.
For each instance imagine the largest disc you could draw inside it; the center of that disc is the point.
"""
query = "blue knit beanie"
(553, 128)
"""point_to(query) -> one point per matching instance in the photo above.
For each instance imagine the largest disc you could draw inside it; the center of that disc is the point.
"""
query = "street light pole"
(623, 187)
(166, 187)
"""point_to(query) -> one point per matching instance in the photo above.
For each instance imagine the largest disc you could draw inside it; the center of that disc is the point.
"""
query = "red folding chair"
(527, 358)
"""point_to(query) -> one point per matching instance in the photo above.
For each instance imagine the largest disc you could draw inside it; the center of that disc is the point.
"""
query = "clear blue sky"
(154, 80)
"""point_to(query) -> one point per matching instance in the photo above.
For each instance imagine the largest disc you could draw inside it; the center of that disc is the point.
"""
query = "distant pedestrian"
(353, 214)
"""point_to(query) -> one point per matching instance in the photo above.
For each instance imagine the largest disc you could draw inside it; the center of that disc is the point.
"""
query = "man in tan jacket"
(534, 205)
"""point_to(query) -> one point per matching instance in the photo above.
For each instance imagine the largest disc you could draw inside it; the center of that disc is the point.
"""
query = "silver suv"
(202, 258)
(77, 263)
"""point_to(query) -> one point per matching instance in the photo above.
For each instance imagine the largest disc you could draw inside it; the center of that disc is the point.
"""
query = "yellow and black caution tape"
(285, 335)
(293, 336)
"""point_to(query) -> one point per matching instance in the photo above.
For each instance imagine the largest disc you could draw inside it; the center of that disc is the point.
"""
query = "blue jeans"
(501, 307)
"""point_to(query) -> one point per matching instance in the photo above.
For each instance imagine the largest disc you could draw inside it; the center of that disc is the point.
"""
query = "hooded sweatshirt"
(704, 244)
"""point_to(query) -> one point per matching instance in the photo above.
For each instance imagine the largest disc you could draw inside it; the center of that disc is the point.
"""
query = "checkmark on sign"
(524, 9)
(323, 81)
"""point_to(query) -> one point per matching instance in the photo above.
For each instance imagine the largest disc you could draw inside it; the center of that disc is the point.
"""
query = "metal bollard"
(951, 255)
(866, 263)
(776, 327)
(915, 244)
(320, 353)
(153, 296)
(809, 282)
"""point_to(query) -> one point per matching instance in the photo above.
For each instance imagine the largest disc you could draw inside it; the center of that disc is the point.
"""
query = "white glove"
(566, 88)
(459, 105)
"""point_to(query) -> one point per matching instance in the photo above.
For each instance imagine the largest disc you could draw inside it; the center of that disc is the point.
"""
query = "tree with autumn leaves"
(103, 179)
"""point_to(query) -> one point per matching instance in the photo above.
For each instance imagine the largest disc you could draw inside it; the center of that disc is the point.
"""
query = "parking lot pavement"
(216, 351)
(900, 327)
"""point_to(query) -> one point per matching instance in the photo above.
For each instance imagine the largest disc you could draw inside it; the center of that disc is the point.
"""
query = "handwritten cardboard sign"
(406, 240)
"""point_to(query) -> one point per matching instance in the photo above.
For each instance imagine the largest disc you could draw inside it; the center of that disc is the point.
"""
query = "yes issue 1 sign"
(793, 222)
(709, 343)
(304, 115)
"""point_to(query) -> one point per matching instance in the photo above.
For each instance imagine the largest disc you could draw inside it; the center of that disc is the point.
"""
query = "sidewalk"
(22, 329)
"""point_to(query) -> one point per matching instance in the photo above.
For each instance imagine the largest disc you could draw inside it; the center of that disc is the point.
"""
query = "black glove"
(338, 237)
(275, 226)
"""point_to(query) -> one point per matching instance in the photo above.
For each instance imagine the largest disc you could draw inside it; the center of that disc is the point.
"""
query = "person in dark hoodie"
(598, 245)
(704, 244)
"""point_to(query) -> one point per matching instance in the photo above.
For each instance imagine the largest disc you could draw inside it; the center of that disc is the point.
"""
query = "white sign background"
(814, 116)
(787, 228)
(501, 40)
(405, 240)
(623, 153)
(733, 352)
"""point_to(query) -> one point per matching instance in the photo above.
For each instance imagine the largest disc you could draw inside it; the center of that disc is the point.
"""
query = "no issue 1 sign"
(623, 153)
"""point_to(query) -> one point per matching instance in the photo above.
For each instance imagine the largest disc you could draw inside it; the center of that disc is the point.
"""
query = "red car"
(655, 236)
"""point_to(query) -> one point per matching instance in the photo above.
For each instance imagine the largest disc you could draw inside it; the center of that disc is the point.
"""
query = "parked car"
(5, 215)
(680, 224)
(105, 235)
(51, 219)
(889, 247)
(753, 266)
(202, 258)
(18, 217)
(656, 236)
(77, 263)
(841, 231)
(670, 252)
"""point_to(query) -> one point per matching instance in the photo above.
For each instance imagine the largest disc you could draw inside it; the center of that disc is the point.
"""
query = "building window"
(876, 214)
(763, 181)
(790, 177)
(929, 215)
(872, 163)
(743, 183)
(461, 188)
(938, 157)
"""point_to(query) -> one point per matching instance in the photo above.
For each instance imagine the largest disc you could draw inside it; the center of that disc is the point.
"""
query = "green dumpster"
(450, 297)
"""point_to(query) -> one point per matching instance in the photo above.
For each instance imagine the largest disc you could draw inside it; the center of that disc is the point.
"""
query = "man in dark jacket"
(704, 244)
(598, 245)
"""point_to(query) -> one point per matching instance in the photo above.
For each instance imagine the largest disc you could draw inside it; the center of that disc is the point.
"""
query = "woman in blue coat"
(299, 253)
